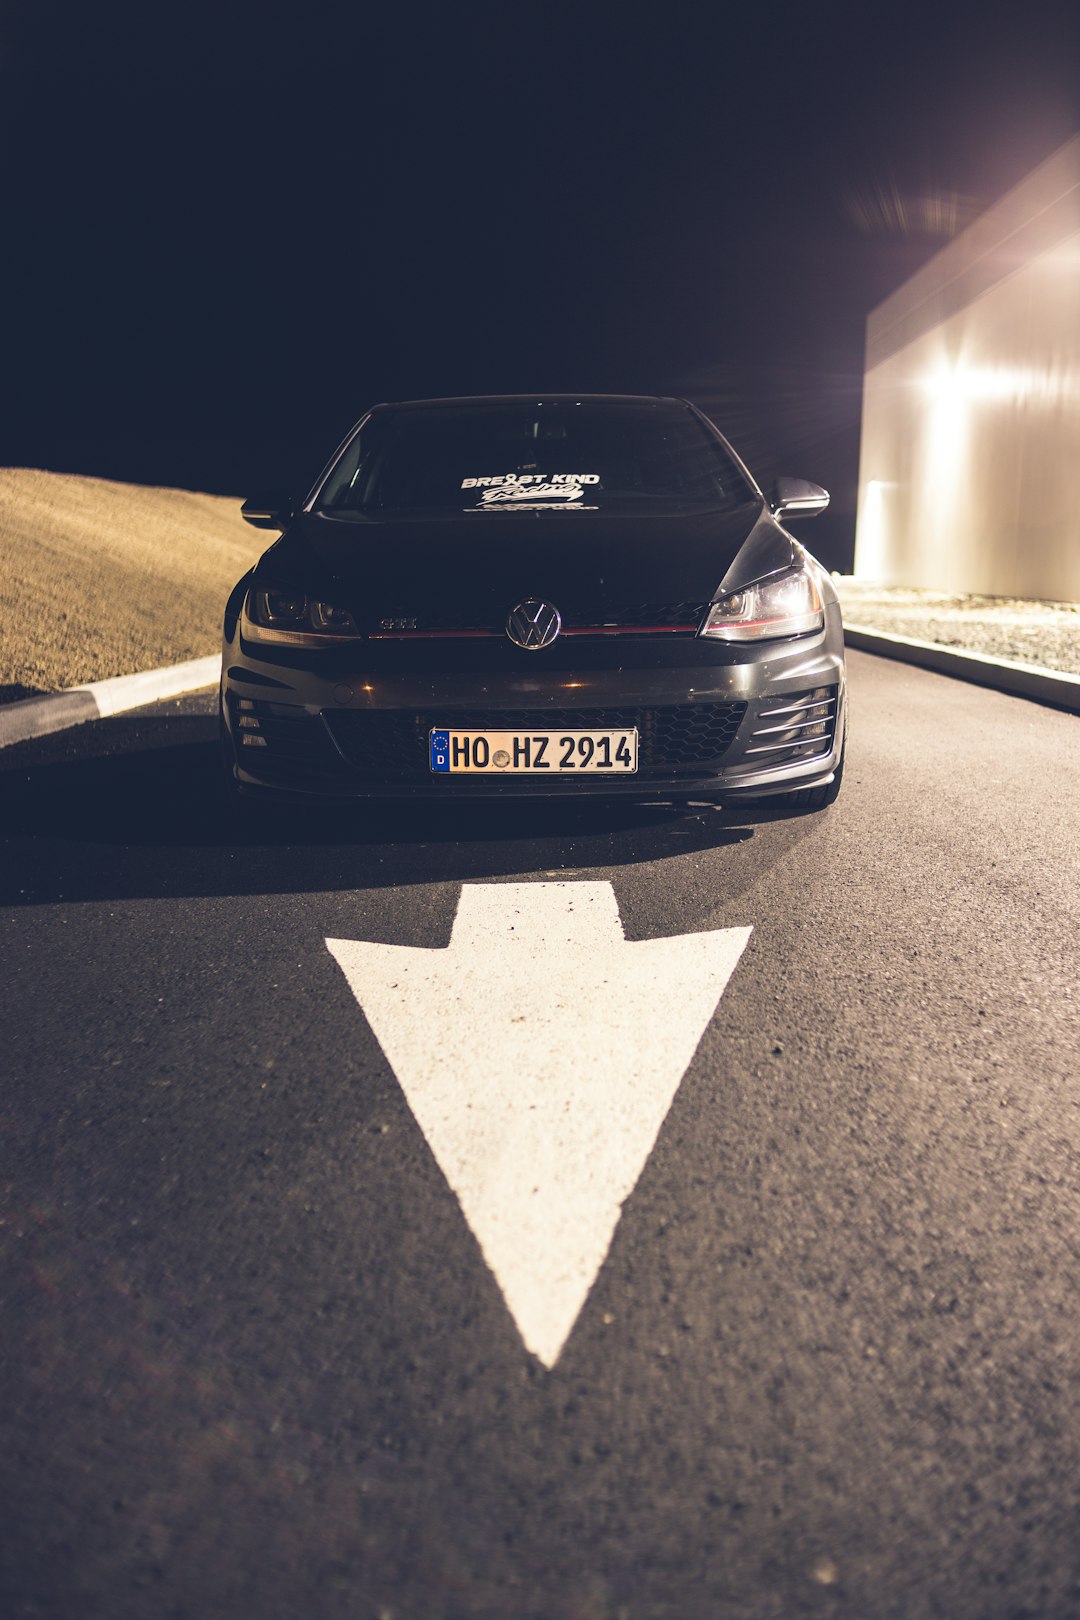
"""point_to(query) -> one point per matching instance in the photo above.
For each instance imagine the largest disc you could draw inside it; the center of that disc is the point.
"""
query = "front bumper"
(714, 720)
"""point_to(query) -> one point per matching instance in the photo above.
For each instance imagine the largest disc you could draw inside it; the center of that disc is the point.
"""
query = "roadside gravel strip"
(99, 578)
(1042, 635)
(1029, 649)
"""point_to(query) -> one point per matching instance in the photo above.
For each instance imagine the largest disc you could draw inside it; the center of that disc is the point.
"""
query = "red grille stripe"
(629, 630)
(567, 630)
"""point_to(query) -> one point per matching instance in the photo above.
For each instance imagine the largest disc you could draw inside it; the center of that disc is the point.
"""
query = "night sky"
(229, 230)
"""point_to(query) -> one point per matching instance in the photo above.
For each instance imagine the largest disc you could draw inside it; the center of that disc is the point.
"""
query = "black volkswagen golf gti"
(521, 595)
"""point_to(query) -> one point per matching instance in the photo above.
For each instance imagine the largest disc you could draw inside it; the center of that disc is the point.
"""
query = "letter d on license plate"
(455, 752)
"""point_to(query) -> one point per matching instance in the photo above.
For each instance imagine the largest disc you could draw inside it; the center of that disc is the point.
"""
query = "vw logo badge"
(533, 624)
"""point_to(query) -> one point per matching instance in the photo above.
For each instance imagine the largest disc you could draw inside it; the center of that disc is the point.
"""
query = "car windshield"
(529, 457)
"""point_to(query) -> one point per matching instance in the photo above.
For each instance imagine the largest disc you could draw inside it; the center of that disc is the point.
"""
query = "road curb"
(1004, 674)
(38, 716)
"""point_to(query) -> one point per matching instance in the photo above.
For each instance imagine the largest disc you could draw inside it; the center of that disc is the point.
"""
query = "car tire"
(814, 798)
(244, 815)
(228, 792)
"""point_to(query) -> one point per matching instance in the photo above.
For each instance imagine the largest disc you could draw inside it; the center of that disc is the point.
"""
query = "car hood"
(477, 566)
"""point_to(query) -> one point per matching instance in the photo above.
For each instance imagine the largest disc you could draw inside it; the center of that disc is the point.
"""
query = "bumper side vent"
(799, 725)
(282, 735)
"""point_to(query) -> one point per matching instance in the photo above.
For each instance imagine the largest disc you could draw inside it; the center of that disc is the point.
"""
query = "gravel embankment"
(100, 578)
(1046, 634)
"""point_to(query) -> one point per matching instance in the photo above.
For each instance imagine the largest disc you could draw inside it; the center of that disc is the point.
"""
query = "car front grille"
(390, 745)
(578, 619)
(799, 725)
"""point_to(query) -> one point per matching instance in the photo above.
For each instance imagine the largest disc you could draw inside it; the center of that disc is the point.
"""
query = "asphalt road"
(253, 1362)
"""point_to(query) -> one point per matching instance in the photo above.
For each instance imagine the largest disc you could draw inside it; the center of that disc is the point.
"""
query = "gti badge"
(533, 624)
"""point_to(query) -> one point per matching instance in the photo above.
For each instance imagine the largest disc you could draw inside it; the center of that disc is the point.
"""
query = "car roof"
(532, 400)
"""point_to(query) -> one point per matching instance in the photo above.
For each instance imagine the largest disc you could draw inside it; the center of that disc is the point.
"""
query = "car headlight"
(292, 620)
(788, 605)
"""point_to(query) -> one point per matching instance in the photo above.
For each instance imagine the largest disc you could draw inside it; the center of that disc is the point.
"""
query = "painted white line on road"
(540, 1053)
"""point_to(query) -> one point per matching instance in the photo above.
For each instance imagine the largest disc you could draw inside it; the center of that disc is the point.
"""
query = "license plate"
(534, 753)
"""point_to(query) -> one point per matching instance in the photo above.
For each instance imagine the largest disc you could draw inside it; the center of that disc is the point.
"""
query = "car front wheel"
(814, 798)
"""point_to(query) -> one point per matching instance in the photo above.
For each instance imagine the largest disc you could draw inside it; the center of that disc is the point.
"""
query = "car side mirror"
(795, 498)
(273, 511)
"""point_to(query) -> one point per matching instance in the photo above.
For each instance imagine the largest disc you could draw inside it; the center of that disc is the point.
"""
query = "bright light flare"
(960, 385)
(872, 550)
(881, 208)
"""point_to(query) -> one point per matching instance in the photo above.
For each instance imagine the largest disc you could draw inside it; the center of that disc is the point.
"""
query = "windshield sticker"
(533, 489)
(535, 506)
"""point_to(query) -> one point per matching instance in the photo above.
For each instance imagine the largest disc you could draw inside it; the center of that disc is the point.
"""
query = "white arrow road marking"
(540, 1053)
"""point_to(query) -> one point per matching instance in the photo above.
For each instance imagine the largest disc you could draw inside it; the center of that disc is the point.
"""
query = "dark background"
(229, 230)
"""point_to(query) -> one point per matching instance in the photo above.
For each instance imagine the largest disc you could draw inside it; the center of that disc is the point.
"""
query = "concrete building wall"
(969, 476)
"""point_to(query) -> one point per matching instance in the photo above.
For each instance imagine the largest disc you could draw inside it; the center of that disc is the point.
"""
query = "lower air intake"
(390, 745)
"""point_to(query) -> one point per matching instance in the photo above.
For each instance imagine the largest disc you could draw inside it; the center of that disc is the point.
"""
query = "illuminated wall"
(969, 476)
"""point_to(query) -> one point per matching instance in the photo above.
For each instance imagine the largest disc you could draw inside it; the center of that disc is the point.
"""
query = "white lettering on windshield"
(534, 506)
(530, 480)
